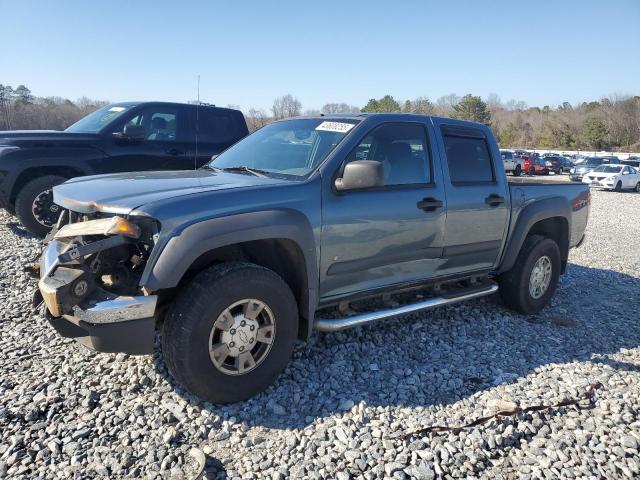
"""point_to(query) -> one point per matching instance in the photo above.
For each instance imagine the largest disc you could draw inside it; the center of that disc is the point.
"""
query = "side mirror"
(213, 157)
(625, 173)
(361, 174)
(134, 132)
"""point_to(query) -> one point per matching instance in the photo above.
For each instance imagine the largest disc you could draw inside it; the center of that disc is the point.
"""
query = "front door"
(387, 235)
(164, 146)
(478, 201)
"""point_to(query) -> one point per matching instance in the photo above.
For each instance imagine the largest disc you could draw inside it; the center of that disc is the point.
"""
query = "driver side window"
(403, 151)
(158, 124)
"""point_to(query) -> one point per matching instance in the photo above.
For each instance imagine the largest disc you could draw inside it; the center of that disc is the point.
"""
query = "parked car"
(244, 256)
(512, 164)
(632, 161)
(535, 166)
(587, 165)
(557, 164)
(614, 177)
(122, 137)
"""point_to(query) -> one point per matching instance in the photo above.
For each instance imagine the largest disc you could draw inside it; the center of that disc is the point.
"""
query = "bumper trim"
(117, 310)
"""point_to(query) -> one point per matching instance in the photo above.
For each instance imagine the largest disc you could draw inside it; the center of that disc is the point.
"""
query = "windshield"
(592, 162)
(291, 148)
(609, 169)
(96, 121)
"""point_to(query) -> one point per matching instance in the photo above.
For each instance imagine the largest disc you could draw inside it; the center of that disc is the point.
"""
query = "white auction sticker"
(339, 127)
(117, 109)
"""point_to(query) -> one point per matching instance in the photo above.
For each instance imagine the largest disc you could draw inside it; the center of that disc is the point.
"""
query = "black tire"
(187, 328)
(514, 284)
(26, 198)
(618, 187)
(637, 189)
(517, 171)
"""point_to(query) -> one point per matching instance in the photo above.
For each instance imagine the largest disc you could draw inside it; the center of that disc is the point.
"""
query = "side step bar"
(335, 324)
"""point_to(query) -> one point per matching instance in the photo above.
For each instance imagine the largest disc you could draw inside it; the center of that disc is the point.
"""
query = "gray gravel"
(342, 407)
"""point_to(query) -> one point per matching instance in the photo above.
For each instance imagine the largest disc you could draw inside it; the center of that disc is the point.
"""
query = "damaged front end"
(89, 280)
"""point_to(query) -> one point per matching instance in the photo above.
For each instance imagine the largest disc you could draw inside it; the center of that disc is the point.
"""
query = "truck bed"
(576, 194)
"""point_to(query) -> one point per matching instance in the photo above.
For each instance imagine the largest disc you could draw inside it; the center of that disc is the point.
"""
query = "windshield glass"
(590, 162)
(291, 148)
(96, 121)
(608, 169)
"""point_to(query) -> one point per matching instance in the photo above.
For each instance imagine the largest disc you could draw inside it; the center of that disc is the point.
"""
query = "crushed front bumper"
(102, 321)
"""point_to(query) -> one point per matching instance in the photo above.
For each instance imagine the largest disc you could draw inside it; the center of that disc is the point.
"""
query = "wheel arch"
(549, 218)
(279, 240)
(32, 173)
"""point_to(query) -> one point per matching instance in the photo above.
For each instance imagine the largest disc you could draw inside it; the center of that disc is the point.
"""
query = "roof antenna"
(195, 160)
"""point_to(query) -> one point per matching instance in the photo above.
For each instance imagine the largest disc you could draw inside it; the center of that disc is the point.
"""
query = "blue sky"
(247, 53)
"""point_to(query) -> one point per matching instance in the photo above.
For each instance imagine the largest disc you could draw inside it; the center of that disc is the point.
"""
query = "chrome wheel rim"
(241, 337)
(44, 210)
(540, 277)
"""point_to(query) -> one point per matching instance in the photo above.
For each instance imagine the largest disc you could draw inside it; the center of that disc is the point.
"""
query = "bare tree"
(256, 119)
(329, 108)
(286, 106)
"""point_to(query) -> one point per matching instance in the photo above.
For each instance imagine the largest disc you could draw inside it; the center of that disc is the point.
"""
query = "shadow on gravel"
(19, 230)
(446, 355)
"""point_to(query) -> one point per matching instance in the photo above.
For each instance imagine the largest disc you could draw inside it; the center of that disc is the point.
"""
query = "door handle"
(174, 151)
(429, 204)
(494, 200)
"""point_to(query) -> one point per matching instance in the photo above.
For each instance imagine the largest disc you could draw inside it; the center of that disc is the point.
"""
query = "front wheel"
(532, 281)
(517, 171)
(230, 332)
(618, 187)
(637, 189)
(34, 204)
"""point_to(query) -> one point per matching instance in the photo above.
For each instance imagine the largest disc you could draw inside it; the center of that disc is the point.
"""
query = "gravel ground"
(344, 404)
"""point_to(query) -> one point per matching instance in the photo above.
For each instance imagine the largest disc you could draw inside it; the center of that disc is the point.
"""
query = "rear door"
(164, 146)
(478, 202)
(388, 235)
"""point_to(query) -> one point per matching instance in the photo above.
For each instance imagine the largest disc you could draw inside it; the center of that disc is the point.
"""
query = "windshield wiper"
(243, 168)
(210, 167)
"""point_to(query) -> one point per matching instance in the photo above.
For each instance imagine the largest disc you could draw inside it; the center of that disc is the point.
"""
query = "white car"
(614, 177)
(512, 164)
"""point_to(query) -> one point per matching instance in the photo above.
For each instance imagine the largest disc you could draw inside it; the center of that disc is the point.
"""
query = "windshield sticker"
(117, 109)
(338, 127)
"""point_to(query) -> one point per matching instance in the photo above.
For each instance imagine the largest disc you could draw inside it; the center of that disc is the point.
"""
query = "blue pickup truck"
(314, 223)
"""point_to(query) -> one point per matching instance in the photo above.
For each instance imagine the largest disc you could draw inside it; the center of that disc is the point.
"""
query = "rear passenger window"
(468, 159)
(216, 126)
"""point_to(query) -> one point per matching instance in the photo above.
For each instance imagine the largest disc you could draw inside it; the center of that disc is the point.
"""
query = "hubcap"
(540, 277)
(241, 337)
(44, 210)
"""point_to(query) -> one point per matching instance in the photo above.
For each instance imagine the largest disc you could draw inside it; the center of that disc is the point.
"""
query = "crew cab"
(288, 231)
(122, 137)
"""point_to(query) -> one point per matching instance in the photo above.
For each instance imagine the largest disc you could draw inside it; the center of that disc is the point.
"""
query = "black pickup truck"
(122, 137)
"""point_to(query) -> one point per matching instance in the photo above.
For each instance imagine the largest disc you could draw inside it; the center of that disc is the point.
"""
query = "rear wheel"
(230, 332)
(618, 187)
(532, 281)
(35, 207)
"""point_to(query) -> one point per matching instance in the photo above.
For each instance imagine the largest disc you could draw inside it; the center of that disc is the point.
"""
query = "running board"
(335, 324)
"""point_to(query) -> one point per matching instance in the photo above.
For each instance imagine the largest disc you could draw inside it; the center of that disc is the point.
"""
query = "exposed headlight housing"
(103, 226)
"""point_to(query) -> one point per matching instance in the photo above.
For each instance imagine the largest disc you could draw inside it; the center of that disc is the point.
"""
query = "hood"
(26, 137)
(123, 192)
(586, 168)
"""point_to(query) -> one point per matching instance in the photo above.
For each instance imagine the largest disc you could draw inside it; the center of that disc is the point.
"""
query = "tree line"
(611, 123)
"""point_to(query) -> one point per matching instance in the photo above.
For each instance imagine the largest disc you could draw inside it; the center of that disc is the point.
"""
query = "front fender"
(172, 257)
